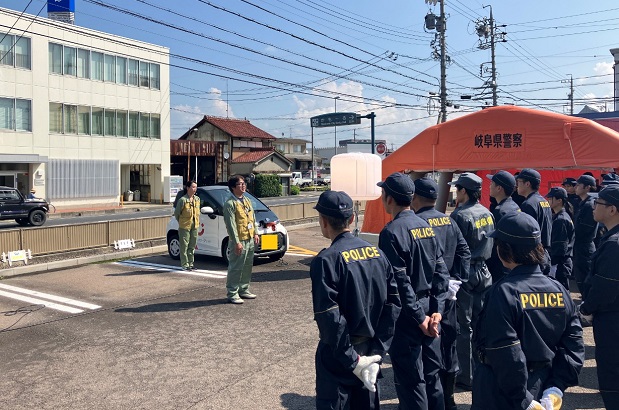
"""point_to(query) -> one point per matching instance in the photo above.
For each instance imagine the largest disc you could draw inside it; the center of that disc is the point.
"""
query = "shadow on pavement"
(135, 273)
(279, 276)
(295, 401)
(172, 306)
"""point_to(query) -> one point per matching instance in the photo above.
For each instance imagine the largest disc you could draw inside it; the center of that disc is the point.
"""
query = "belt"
(532, 367)
(357, 340)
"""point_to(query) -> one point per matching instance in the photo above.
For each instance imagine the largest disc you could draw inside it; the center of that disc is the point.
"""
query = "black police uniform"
(562, 239)
(585, 229)
(422, 277)
(537, 206)
(356, 305)
(506, 206)
(528, 338)
(603, 303)
(574, 200)
(475, 222)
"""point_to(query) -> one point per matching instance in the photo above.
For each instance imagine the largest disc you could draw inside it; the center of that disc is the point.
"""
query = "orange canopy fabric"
(506, 137)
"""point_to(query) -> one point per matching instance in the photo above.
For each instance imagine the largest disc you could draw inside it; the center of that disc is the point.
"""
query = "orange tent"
(506, 137)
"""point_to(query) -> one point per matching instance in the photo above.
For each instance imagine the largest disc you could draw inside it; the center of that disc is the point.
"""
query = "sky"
(278, 63)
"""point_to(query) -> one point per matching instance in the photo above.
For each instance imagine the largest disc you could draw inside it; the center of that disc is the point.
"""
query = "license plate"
(268, 242)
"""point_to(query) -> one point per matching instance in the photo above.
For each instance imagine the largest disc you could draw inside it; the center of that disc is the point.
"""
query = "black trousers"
(606, 334)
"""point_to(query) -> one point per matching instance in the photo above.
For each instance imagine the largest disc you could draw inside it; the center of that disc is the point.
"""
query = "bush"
(318, 188)
(294, 190)
(267, 185)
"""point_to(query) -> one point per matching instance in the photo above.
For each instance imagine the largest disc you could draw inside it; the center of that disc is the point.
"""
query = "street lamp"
(335, 128)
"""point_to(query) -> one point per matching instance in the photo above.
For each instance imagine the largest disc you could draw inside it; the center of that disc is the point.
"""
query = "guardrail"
(75, 237)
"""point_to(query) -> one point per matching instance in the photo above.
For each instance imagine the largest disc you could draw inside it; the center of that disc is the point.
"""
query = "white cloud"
(603, 68)
(184, 116)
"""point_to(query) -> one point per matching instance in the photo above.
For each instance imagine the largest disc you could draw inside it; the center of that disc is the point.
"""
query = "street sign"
(381, 148)
(335, 119)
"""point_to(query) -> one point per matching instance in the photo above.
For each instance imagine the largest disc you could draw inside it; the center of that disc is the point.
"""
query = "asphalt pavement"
(161, 338)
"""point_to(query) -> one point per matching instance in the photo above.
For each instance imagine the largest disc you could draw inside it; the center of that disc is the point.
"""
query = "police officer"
(356, 304)
(475, 222)
(411, 246)
(529, 337)
(585, 228)
(457, 257)
(562, 238)
(501, 188)
(602, 303)
(527, 183)
(569, 184)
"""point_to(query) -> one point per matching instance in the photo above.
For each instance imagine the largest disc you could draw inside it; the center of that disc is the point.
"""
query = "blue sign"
(60, 6)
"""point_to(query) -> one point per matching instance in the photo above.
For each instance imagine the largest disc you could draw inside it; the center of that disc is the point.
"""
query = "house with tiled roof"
(224, 147)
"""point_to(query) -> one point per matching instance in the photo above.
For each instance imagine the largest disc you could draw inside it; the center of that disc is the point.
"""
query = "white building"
(84, 115)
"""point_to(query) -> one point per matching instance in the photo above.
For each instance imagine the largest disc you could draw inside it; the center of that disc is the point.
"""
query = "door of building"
(8, 179)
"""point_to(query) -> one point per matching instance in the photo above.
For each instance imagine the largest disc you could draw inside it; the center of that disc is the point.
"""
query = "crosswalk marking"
(298, 251)
(47, 296)
(36, 301)
(168, 268)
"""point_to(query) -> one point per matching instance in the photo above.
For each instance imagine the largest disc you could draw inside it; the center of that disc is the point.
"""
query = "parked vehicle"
(212, 234)
(323, 180)
(299, 180)
(13, 205)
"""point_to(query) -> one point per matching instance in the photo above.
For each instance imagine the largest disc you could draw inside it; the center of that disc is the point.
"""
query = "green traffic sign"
(335, 119)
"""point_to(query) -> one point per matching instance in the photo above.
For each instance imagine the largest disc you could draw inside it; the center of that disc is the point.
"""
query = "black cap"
(426, 187)
(610, 194)
(586, 180)
(557, 192)
(569, 181)
(336, 204)
(610, 179)
(504, 179)
(518, 228)
(529, 174)
(469, 181)
(399, 186)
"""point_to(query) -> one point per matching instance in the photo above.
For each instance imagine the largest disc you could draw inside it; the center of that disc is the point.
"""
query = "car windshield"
(222, 195)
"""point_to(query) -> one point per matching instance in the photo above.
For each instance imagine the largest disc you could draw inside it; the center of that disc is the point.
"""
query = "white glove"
(363, 363)
(369, 376)
(536, 405)
(552, 398)
(454, 287)
(553, 270)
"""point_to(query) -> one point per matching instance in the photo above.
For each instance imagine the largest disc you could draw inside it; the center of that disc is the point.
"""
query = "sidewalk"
(134, 206)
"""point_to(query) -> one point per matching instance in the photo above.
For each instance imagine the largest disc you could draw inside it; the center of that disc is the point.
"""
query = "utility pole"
(570, 96)
(439, 24)
(488, 37)
(492, 56)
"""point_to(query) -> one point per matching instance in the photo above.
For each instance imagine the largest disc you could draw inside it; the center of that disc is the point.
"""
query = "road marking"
(298, 251)
(168, 268)
(48, 296)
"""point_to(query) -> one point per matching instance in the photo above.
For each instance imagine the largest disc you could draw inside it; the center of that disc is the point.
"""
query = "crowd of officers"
(478, 299)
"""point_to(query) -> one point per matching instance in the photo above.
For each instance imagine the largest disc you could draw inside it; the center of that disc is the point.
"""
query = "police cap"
(586, 180)
(468, 180)
(504, 179)
(426, 187)
(557, 192)
(529, 174)
(336, 204)
(610, 194)
(610, 179)
(399, 186)
(569, 181)
(518, 228)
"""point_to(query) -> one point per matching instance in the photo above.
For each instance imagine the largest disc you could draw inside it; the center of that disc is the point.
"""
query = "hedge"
(267, 185)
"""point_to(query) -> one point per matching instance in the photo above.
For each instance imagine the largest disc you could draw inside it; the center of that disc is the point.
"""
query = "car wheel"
(37, 217)
(22, 221)
(225, 252)
(174, 246)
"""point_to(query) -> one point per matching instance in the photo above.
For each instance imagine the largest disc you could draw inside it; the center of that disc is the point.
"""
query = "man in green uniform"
(187, 213)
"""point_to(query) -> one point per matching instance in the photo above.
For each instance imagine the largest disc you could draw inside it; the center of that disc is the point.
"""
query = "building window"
(6, 49)
(121, 70)
(82, 178)
(297, 148)
(110, 122)
(154, 76)
(70, 61)
(144, 76)
(55, 117)
(109, 68)
(121, 123)
(155, 126)
(97, 121)
(280, 147)
(14, 51)
(6, 113)
(23, 115)
(144, 125)
(133, 124)
(70, 119)
(83, 120)
(96, 66)
(83, 63)
(132, 71)
(55, 58)
(22, 53)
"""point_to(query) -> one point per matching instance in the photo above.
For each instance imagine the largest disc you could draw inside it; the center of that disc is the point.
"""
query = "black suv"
(25, 211)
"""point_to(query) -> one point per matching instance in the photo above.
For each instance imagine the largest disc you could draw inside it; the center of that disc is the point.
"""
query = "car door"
(209, 237)
(10, 202)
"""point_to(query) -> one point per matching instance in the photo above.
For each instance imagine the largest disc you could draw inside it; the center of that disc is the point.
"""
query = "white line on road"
(168, 268)
(35, 301)
(47, 296)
